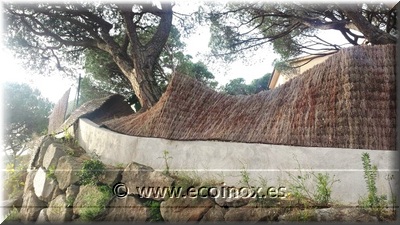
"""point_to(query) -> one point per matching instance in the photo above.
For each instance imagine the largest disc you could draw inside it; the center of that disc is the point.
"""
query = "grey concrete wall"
(226, 161)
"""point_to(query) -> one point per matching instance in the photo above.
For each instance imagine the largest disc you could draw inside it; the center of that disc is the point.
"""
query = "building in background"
(296, 67)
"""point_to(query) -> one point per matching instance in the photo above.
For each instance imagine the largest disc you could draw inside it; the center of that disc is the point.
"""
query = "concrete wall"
(225, 161)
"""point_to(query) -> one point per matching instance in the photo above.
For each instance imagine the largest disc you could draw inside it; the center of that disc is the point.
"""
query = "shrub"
(15, 181)
(91, 170)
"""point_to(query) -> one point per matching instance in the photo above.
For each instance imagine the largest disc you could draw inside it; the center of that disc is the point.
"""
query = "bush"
(13, 215)
(91, 171)
(15, 181)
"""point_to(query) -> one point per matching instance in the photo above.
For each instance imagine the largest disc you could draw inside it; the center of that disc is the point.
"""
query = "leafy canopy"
(26, 113)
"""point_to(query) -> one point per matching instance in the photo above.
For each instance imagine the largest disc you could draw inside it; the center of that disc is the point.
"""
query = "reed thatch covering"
(99, 110)
(348, 101)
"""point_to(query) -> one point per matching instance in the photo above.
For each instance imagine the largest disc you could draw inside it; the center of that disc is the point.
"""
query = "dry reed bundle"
(348, 101)
(99, 110)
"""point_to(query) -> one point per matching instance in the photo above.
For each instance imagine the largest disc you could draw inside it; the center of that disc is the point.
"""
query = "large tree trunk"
(373, 34)
(145, 56)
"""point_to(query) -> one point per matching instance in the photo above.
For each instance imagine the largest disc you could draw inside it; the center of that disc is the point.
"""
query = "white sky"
(53, 87)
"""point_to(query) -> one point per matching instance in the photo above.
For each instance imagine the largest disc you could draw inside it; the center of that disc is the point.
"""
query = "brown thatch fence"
(348, 101)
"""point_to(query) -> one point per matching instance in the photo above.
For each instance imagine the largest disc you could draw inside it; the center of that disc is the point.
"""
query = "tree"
(60, 32)
(239, 87)
(104, 77)
(292, 28)
(26, 113)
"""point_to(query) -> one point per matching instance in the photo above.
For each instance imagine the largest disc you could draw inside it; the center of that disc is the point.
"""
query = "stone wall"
(54, 192)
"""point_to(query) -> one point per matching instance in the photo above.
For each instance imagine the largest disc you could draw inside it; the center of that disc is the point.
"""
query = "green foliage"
(197, 70)
(155, 213)
(245, 177)
(106, 78)
(25, 114)
(300, 188)
(238, 29)
(12, 215)
(95, 203)
(324, 188)
(91, 170)
(70, 201)
(239, 87)
(15, 180)
(50, 173)
(372, 202)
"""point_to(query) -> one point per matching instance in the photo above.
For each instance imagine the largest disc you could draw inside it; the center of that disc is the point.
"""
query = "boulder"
(343, 215)
(185, 209)
(54, 152)
(39, 151)
(29, 181)
(252, 214)
(128, 208)
(237, 201)
(42, 218)
(90, 195)
(67, 171)
(58, 210)
(138, 175)
(214, 214)
(44, 187)
(72, 191)
(111, 176)
(31, 206)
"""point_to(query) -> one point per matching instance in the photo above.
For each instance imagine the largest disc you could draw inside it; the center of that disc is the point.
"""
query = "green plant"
(50, 172)
(67, 135)
(91, 171)
(70, 201)
(303, 194)
(95, 202)
(393, 200)
(15, 180)
(372, 202)
(12, 215)
(155, 213)
(324, 188)
(166, 157)
(245, 180)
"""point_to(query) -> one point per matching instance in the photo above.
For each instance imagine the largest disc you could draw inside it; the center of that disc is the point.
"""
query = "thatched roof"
(348, 101)
(99, 110)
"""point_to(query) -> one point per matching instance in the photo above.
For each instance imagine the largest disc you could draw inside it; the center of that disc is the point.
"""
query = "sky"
(53, 86)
